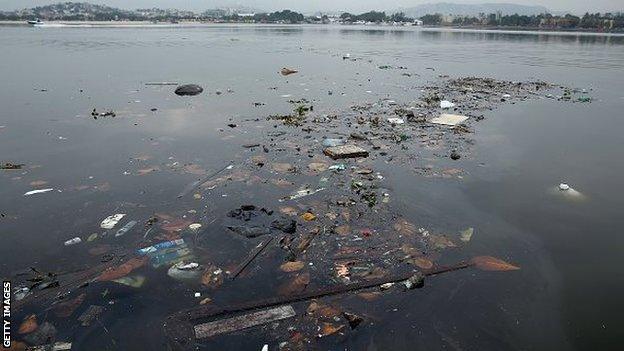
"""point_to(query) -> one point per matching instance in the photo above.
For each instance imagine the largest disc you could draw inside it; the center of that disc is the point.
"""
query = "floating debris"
(110, 221)
(449, 119)
(38, 191)
(189, 90)
(288, 71)
(245, 321)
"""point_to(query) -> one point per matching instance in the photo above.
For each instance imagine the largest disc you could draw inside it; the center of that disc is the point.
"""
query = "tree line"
(595, 21)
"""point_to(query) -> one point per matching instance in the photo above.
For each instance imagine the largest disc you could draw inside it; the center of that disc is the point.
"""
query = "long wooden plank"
(245, 321)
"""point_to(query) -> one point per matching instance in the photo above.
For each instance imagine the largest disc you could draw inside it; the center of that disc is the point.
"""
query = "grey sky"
(575, 6)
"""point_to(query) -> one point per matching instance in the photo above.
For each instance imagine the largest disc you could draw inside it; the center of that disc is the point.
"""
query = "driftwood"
(179, 327)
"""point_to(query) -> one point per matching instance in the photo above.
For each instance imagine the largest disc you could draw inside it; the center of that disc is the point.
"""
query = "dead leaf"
(38, 183)
(317, 167)
(329, 329)
(342, 270)
(288, 71)
(409, 250)
(422, 262)
(149, 170)
(282, 167)
(292, 266)
(67, 308)
(343, 230)
(258, 159)
(295, 286)
(308, 216)
(29, 325)
(489, 263)
(205, 301)
(440, 242)
(213, 277)
(322, 310)
(404, 227)
(122, 270)
(369, 296)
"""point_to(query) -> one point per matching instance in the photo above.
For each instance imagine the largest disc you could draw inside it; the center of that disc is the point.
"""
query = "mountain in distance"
(446, 8)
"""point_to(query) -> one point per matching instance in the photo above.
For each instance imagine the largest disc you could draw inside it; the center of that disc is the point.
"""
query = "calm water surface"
(568, 294)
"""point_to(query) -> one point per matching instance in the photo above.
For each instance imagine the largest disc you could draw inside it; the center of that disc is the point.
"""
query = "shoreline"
(114, 24)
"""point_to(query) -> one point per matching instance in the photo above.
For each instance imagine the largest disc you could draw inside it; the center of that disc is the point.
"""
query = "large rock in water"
(189, 89)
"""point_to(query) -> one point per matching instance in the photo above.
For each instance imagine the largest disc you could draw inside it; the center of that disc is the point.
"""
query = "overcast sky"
(576, 6)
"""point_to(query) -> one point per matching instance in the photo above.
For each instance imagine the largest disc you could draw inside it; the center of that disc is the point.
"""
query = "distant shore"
(207, 23)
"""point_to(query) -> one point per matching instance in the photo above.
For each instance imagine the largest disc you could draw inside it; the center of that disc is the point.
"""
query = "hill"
(472, 9)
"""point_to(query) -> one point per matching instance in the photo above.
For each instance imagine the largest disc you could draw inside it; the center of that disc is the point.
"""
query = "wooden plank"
(245, 321)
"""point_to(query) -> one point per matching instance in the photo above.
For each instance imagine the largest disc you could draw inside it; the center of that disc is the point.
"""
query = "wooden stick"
(255, 252)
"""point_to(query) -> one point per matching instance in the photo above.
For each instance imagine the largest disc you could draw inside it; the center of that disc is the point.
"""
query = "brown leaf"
(342, 270)
(329, 329)
(205, 301)
(38, 183)
(440, 242)
(145, 171)
(282, 167)
(287, 71)
(258, 159)
(489, 263)
(67, 308)
(343, 230)
(369, 296)
(29, 325)
(292, 266)
(322, 310)
(409, 250)
(404, 227)
(308, 216)
(122, 270)
(295, 286)
(212, 277)
(422, 262)
(317, 167)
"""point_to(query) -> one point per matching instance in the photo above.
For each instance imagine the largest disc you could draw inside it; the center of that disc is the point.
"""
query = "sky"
(573, 6)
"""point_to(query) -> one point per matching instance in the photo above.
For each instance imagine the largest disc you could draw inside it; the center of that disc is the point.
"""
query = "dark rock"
(455, 155)
(353, 319)
(189, 89)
